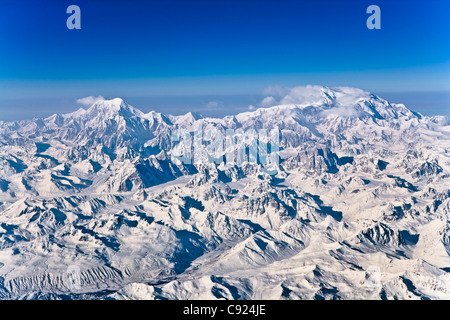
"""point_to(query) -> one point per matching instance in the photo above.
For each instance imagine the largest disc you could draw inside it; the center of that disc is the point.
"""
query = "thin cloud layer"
(300, 95)
(215, 104)
(90, 100)
(340, 97)
(277, 95)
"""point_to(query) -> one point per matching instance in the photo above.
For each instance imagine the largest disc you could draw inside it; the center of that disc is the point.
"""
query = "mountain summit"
(110, 108)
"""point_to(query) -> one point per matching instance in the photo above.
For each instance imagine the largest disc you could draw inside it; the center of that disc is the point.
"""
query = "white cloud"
(214, 104)
(304, 95)
(269, 102)
(276, 95)
(251, 107)
(88, 101)
(277, 91)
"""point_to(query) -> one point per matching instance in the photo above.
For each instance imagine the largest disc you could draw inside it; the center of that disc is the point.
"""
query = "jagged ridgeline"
(344, 196)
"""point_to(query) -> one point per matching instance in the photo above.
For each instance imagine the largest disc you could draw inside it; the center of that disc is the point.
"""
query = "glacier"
(96, 204)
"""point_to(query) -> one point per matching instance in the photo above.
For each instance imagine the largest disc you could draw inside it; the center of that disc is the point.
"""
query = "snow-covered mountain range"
(103, 204)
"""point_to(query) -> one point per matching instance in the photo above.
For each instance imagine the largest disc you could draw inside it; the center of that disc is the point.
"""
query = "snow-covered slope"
(357, 208)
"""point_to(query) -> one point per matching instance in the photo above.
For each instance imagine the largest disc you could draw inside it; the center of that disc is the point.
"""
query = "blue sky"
(217, 57)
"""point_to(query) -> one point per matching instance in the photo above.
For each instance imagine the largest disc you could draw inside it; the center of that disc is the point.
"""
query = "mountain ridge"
(358, 205)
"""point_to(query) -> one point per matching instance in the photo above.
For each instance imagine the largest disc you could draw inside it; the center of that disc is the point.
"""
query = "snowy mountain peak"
(113, 107)
(188, 118)
(114, 104)
(320, 102)
(313, 95)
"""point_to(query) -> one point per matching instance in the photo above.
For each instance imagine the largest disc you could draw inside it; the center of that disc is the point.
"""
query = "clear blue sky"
(178, 56)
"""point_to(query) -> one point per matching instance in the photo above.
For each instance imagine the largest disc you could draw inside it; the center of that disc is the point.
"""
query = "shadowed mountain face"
(339, 194)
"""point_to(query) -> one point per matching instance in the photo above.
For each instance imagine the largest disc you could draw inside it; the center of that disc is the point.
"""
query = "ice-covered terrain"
(100, 204)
